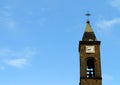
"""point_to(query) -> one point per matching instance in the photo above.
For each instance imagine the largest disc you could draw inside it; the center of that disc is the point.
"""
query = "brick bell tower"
(90, 64)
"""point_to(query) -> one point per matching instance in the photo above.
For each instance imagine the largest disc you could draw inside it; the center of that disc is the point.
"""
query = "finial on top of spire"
(88, 14)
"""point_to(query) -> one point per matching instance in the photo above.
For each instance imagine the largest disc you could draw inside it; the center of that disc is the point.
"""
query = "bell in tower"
(90, 64)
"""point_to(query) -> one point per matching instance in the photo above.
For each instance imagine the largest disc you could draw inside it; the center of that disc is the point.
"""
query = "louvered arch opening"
(90, 73)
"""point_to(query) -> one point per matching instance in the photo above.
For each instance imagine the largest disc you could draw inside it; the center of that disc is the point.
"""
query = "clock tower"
(90, 64)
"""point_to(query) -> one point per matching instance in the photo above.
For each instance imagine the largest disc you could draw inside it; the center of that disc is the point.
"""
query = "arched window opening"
(90, 68)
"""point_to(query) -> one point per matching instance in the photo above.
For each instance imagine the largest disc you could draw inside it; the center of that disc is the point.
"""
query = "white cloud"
(106, 24)
(115, 3)
(6, 52)
(15, 58)
(18, 63)
(26, 52)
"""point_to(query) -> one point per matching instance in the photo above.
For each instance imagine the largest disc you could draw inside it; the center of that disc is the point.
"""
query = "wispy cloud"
(115, 3)
(17, 59)
(7, 19)
(18, 63)
(106, 24)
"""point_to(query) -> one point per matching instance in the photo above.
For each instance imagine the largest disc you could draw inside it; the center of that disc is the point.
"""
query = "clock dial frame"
(90, 49)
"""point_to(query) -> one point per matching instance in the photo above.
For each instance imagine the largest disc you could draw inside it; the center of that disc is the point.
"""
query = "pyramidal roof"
(88, 33)
(88, 27)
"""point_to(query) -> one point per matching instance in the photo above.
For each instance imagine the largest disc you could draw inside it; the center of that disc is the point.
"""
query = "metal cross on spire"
(88, 14)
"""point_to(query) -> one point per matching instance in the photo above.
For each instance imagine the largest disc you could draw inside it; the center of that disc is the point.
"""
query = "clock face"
(90, 49)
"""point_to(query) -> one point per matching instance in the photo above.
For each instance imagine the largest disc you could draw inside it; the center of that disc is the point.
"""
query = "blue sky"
(39, 40)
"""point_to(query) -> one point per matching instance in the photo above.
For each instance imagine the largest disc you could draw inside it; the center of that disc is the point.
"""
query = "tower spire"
(88, 33)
